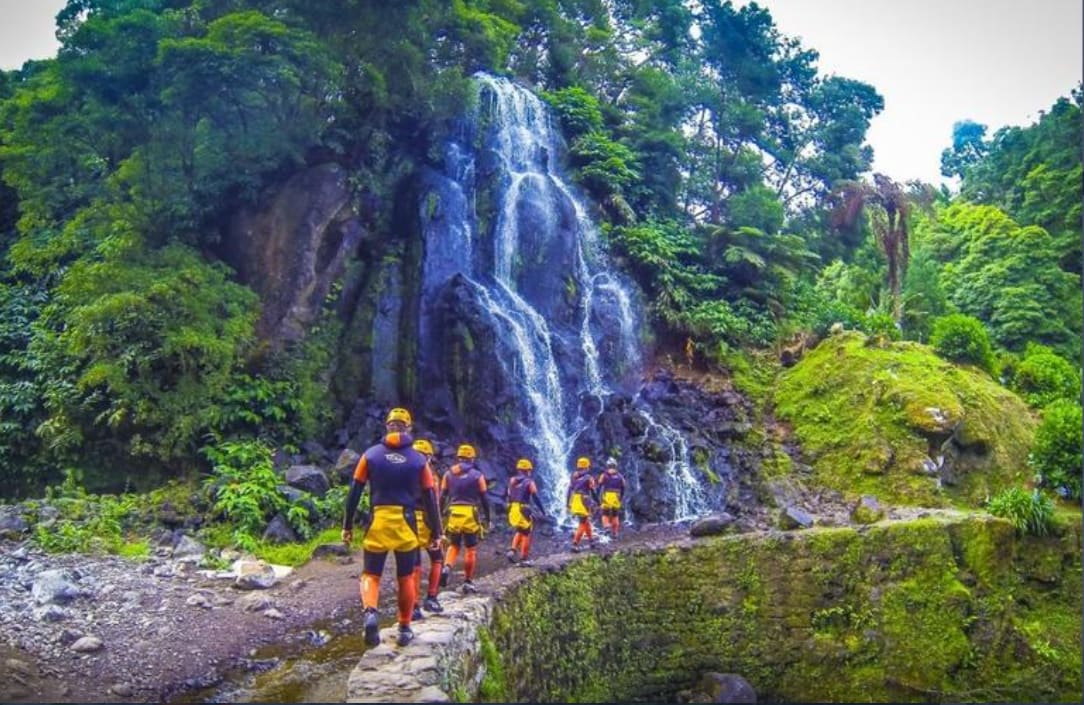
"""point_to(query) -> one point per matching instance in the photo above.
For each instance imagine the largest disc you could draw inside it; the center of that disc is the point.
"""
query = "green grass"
(137, 549)
(295, 554)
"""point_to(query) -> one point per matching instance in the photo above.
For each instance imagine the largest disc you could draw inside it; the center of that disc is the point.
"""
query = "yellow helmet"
(466, 451)
(582, 462)
(524, 464)
(399, 414)
(423, 446)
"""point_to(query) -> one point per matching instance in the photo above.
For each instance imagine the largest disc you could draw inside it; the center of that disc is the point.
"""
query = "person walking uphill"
(436, 554)
(462, 492)
(521, 491)
(398, 476)
(611, 490)
(580, 499)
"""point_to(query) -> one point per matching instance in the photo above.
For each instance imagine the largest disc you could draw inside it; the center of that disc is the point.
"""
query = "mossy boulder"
(898, 422)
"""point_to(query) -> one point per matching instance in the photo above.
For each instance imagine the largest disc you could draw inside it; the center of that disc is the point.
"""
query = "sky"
(935, 62)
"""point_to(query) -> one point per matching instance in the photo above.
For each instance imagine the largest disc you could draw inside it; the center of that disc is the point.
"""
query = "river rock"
(54, 586)
(711, 525)
(727, 688)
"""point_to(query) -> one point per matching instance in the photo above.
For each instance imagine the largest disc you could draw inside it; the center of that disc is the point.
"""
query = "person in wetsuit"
(425, 538)
(462, 492)
(521, 492)
(611, 491)
(581, 501)
(397, 476)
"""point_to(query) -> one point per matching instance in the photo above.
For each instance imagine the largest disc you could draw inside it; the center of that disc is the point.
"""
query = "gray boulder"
(309, 478)
(711, 525)
(727, 688)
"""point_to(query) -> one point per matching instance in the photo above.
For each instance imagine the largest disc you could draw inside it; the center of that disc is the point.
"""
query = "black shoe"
(431, 604)
(444, 573)
(372, 627)
(526, 563)
(511, 555)
(417, 613)
(406, 635)
(468, 587)
(576, 548)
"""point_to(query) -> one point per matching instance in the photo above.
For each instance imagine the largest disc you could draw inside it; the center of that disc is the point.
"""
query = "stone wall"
(940, 608)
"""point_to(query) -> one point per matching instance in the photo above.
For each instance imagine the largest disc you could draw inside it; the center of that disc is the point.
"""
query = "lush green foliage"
(718, 154)
(1032, 173)
(1056, 455)
(963, 338)
(244, 488)
(86, 522)
(1043, 377)
(140, 349)
(1008, 277)
(1030, 512)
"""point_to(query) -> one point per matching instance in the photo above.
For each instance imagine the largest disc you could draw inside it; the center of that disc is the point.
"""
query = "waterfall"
(565, 325)
(690, 500)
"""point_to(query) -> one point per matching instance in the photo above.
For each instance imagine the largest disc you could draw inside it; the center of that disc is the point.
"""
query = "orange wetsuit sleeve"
(427, 478)
(361, 472)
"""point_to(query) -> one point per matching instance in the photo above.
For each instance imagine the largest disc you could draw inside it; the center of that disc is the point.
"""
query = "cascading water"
(563, 327)
(690, 500)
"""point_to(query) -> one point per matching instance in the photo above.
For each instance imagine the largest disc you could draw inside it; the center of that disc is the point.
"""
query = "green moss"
(753, 374)
(867, 418)
(492, 688)
(936, 609)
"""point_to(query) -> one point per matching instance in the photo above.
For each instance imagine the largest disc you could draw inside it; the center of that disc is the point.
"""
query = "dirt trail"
(160, 641)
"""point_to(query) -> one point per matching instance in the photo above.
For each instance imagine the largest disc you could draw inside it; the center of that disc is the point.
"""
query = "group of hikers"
(411, 510)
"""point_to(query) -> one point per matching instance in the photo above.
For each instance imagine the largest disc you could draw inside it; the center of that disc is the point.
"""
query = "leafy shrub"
(1030, 512)
(881, 325)
(244, 487)
(88, 523)
(1044, 377)
(577, 110)
(257, 406)
(962, 338)
(1056, 455)
(604, 167)
(139, 350)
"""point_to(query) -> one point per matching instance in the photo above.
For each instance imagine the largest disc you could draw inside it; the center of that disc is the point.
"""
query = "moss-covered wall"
(931, 610)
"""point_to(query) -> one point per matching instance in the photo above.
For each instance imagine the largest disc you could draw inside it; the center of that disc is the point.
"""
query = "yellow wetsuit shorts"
(425, 534)
(390, 531)
(517, 518)
(463, 519)
(577, 507)
(611, 499)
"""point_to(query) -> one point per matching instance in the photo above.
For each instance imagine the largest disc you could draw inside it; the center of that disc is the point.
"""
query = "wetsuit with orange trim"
(435, 552)
(462, 491)
(611, 490)
(521, 492)
(397, 476)
(581, 490)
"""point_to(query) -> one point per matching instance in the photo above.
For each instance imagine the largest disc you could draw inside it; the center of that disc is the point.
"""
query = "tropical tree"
(886, 205)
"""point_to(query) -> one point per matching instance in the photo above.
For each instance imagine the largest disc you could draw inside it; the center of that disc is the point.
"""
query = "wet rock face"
(708, 422)
(293, 249)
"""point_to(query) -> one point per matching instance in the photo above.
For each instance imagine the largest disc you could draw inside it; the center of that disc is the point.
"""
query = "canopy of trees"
(718, 155)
